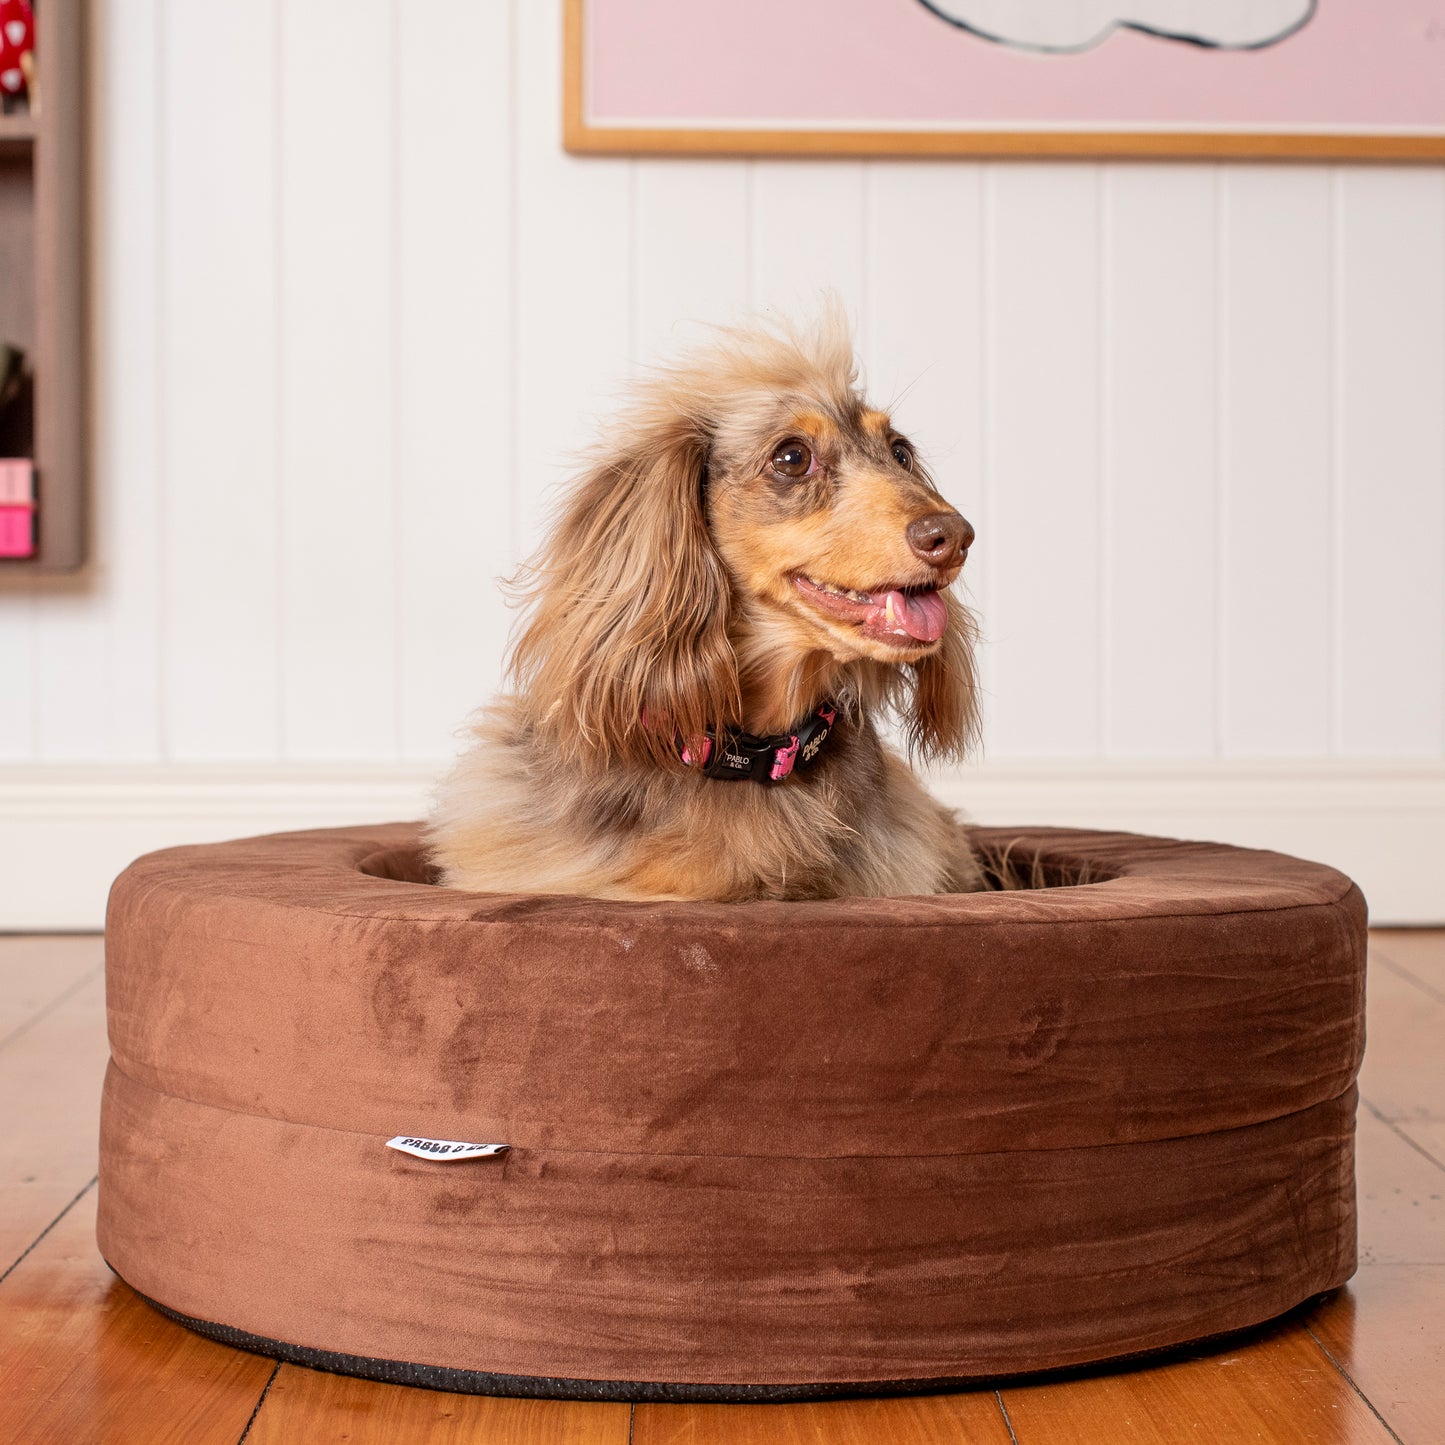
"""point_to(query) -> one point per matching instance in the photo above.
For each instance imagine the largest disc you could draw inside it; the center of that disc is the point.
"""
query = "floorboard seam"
(631, 1419)
(266, 1390)
(1400, 971)
(1350, 1381)
(62, 997)
(1400, 1134)
(20, 1258)
(1007, 1423)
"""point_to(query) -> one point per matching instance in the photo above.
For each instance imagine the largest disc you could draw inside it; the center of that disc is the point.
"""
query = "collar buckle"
(736, 755)
(739, 755)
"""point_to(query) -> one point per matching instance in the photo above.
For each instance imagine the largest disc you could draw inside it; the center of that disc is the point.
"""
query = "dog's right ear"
(626, 646)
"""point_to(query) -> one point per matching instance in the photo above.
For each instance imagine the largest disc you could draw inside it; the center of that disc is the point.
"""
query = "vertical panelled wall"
(354, 308)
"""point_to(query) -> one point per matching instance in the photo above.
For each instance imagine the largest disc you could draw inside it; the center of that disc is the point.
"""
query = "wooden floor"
(83, 1360)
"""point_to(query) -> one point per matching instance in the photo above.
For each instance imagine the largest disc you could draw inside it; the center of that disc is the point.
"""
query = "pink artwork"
(1108, 77)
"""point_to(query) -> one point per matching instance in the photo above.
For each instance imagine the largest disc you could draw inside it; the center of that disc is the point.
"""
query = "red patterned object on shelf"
(17, 46)
(17, 507)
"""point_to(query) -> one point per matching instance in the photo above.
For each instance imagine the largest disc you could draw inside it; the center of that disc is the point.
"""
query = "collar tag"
(814, 734)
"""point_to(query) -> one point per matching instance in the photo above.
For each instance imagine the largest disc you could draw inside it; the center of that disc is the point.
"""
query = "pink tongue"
(923, 617)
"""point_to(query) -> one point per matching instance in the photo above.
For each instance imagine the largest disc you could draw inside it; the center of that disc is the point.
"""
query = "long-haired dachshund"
(754, 570)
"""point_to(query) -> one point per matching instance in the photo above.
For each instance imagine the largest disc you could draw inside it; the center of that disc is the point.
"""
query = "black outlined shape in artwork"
(1186, 21)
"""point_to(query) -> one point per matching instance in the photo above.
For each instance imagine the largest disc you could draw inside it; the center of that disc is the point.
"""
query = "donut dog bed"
(754, 1151)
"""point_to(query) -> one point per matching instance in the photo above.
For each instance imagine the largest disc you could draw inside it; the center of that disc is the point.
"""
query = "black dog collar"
(736, 754)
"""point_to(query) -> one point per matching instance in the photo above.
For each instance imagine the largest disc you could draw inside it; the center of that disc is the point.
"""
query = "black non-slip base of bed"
(537, 1387)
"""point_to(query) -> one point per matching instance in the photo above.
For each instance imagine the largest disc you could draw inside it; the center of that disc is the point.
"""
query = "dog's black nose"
(940, 539)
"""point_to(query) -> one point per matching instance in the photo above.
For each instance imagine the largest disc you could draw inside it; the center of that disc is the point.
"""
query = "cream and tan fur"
(671, 598)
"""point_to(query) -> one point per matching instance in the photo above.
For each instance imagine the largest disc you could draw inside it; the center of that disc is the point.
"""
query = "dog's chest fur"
(858, 823)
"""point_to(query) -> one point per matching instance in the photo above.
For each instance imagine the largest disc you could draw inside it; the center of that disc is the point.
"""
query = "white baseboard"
(65, 831)
(1383, 823)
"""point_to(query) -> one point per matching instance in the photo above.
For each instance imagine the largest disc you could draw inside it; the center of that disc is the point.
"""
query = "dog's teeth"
(836, 591)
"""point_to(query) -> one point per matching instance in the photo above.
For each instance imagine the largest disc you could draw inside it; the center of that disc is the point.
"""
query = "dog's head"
(754, 529)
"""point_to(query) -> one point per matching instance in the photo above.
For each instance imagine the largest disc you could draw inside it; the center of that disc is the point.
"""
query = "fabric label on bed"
(443, 1149)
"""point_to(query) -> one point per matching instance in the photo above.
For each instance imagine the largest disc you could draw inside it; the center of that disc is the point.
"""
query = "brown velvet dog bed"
(757, 1151)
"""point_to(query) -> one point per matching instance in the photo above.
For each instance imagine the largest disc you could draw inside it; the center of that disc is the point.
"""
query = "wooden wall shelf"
(17, 131)
(42, 282)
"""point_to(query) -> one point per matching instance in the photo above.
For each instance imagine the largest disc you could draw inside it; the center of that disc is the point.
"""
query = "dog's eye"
(793, 459)
(903, 455)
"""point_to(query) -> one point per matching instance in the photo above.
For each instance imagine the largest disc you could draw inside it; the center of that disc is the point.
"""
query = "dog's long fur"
(664, 604)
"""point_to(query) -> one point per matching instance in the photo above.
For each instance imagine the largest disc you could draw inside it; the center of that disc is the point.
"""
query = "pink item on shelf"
(17, 530)
(17, 481)
(17, 507)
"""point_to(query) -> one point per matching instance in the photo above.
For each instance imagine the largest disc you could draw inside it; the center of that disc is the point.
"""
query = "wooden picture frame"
(586, 134)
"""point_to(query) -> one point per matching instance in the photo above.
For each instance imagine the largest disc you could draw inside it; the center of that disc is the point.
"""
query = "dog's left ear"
(942, 719)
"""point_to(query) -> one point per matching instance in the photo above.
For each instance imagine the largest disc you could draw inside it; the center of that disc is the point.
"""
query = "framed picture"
(1321, 79)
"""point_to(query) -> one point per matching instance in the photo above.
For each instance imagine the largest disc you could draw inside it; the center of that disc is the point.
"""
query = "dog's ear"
(626, 647)
(942, 717)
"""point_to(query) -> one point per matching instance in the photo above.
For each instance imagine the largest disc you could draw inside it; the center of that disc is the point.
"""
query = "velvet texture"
(864, 1140)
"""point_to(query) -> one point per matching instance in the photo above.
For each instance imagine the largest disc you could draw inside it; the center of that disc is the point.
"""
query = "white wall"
(353, 307)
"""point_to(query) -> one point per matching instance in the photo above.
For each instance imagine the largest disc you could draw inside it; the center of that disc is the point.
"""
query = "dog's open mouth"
(890, 614)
